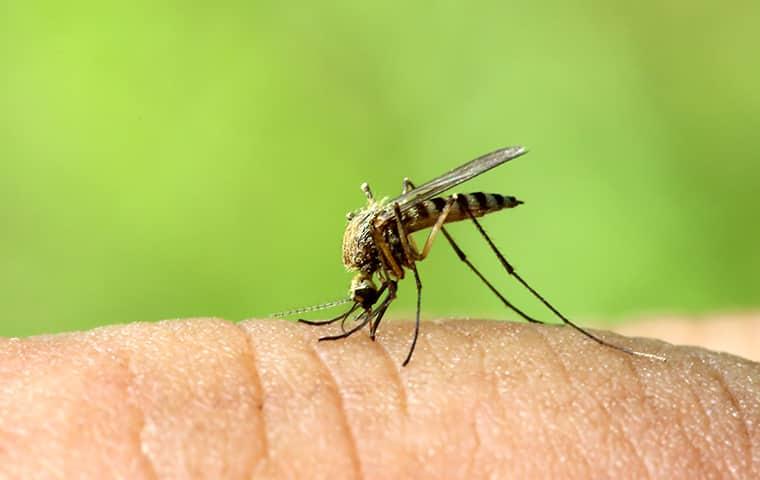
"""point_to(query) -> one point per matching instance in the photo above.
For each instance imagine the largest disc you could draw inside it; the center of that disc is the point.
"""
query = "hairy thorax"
(359, 249)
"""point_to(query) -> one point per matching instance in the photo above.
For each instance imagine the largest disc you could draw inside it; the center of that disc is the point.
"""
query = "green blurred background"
(162, 160)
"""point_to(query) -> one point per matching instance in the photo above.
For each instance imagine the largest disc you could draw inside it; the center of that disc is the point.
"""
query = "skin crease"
(206, 398)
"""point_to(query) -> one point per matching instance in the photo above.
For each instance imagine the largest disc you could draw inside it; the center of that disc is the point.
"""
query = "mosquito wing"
(461, 174)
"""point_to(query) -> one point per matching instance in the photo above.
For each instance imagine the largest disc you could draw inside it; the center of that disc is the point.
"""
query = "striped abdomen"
(426, 213)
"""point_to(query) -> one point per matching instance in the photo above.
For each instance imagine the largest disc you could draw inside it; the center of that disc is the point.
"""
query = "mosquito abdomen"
(426, 213)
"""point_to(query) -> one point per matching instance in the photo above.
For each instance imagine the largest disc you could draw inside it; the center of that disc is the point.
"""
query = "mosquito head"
(363, 290)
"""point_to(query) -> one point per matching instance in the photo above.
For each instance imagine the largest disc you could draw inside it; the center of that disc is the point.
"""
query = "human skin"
(206, 398)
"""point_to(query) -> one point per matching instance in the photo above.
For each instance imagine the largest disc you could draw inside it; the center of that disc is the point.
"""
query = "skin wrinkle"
(425, 338)
(746, 381)
(625, 437)
(131, 400)
(457, 329)
(669, 428)
(454, 327)
(549, 347)
(681, 431)
(613, 420)
(197, 392)
(393, 367)
(710, 374)
(255, 378)
(476, 448)
(524, 365)
(702, 452)
(745, 440)
(707, 375)
(543, 420)
(91, 402)
(638, 386)
(353, 449)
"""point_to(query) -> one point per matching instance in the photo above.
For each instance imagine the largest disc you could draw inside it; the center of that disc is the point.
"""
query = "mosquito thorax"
(359, 250)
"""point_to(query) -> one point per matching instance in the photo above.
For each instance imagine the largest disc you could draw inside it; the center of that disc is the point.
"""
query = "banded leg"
(511, 271)
(382, 308)
(407, 242)
(417, 317)
(472, 267)
(407, 185)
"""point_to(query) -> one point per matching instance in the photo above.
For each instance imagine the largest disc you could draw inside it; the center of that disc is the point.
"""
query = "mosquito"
(379, 247)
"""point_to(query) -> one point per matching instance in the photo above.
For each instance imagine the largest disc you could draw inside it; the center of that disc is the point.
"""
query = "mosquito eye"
(365, 296)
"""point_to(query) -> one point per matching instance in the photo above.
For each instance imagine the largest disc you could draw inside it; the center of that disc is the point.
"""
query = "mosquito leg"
(511, 271)
(392, 287)
(343, 324)
(387, 259)
(417, 316)
(342, 316)
(437, 227)
(410, 251)
(406, 241)
(366, 314)
(382, 308)
(379, 314)
(408, 185)
(467, 262)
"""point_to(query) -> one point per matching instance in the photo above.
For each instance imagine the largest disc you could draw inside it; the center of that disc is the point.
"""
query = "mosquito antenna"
(312, 308)
(511, 271)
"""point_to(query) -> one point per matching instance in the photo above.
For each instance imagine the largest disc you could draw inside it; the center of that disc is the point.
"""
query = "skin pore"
(206, 398)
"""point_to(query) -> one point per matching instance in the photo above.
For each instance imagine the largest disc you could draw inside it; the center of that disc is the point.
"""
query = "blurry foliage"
(163, 160)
